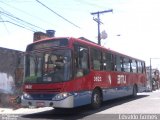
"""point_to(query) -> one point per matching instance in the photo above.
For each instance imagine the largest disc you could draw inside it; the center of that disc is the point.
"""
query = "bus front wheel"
(96, 99)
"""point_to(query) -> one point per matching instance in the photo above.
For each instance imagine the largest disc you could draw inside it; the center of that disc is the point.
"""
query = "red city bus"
(63, 72)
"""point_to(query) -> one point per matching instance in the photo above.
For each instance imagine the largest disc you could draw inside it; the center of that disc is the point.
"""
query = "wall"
(11, 75)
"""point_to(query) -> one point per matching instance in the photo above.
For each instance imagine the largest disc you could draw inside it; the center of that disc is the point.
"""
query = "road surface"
(146, 106)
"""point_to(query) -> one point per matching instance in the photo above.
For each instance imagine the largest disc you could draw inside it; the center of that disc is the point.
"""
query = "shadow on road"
(80, 112)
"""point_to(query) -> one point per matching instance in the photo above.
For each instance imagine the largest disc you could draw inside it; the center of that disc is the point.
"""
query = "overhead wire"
(11, 15)
(4, 23)
(20, 24)
(24, 24)
(18, 0)
(20, 21)
(57, 14)
(90, 4)
(17, 25)
(24, 12)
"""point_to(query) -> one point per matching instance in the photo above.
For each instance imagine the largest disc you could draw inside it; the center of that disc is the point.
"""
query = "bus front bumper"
(64, 103)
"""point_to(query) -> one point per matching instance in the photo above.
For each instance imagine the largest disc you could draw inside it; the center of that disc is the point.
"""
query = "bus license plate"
(40, 104)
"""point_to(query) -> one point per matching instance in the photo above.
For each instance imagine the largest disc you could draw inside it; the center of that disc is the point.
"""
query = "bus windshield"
(48, 67)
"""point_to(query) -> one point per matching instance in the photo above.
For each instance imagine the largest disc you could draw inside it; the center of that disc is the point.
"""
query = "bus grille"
(42, 96)
(44, 90)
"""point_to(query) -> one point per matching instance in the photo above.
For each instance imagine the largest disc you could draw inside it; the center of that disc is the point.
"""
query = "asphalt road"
(146, 106)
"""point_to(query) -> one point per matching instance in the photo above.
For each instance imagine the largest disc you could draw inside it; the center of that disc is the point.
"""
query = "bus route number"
(97, 78)
(121, 79)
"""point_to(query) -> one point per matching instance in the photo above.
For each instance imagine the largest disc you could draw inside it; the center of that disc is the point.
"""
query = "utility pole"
(99, 22)
(150, 76)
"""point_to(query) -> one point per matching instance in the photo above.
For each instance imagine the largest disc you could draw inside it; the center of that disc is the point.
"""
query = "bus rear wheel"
(96, 99)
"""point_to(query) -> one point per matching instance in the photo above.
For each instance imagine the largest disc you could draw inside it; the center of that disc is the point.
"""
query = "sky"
(133, 28)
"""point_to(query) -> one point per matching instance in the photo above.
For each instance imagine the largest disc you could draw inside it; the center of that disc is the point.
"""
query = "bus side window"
(143, 67)
(104, 61)
(126, 64)
(109, 62)
(122, 64)
(96, 59)
(118, 63)
(134, 66)
(131, 69)
(81, 60)
(140, 68)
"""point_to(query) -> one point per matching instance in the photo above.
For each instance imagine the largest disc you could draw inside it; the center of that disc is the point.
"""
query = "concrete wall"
(11, 74)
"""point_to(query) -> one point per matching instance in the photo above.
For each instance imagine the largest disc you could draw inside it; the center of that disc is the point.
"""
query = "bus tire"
(96, 99)
(134, 91)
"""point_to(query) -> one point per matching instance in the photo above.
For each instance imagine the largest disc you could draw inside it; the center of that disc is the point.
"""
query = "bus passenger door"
(81, 65)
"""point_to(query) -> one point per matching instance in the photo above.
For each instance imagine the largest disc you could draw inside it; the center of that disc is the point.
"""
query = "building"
(11, 75)
(153, 79)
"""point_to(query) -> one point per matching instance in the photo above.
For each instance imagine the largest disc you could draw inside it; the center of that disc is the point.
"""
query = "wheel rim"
(96, 99)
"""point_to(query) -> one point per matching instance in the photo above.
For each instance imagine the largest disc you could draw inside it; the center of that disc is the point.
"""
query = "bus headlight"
(27, 96)
(61, 96)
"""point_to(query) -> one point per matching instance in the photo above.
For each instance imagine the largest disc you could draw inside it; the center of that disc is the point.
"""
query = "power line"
(20, 23)
(20, 19)
(18, 1)
(57, 14)
(17, 25)
(24, 12)
(4, 24)
(90, 4)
